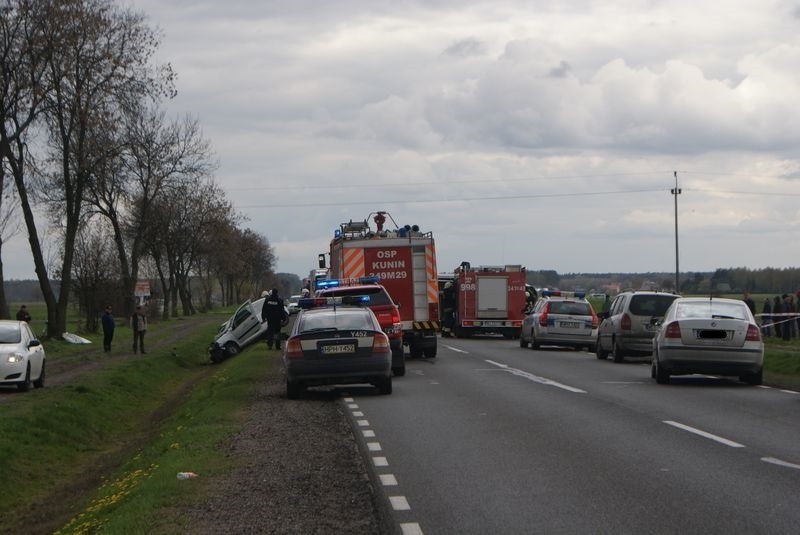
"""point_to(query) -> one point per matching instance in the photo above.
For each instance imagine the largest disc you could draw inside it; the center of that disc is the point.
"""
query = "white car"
(292, 304)
(21, 356)
(708, 335)
(560, 320)
(241, 330)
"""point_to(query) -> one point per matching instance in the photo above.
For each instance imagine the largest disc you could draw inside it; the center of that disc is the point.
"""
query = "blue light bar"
(355, 299)
(372, 279)
(337, 233)
(580, 295)
(327, 283)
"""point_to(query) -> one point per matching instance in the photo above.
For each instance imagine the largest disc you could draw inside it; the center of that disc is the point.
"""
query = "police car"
(560, 319)
(336, 341)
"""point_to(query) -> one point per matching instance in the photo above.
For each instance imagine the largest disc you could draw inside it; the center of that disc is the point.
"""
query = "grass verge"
(120, 436)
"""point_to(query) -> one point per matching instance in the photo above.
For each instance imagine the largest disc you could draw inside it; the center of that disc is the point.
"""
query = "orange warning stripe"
(430, 267)
(353, 263)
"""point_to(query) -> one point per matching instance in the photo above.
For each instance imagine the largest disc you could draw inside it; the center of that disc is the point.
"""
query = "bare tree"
(24, 47)
(99, 63)
(95, 273)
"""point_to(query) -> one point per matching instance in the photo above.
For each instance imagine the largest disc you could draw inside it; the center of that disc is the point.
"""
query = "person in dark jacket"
(139, 327)
(766, 318)
(23, 315)
(108, 328)
(274, 313)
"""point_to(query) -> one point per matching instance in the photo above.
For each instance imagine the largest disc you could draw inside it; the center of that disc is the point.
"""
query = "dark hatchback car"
(331, 345)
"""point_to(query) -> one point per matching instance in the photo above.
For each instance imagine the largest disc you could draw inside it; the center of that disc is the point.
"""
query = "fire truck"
(490, 299)
(404, 260)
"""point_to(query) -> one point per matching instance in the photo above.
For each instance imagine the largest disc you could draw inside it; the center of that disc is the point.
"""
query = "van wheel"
(231, 349)
(601, 353)
(616, 352)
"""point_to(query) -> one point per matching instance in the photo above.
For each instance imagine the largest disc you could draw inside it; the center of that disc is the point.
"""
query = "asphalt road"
(493, 438)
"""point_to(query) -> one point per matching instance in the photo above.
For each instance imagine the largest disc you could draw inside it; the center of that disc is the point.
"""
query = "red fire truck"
(404, 260)
(490, 299)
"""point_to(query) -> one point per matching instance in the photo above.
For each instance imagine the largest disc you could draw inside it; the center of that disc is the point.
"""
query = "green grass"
(57, 435)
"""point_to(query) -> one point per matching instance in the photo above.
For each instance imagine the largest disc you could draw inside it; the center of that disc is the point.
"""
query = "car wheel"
(39, 383)
(25, 385)
(293, 389)
(601, 353)
(231, 349)
(662, 375)
(522, 341)
(534, 343)
(384, 385)
(754, 379)
(616, 352)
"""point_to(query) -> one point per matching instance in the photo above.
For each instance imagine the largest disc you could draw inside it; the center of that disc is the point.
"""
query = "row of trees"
(125, 191)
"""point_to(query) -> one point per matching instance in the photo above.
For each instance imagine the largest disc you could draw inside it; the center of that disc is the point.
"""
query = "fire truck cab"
(490, 299)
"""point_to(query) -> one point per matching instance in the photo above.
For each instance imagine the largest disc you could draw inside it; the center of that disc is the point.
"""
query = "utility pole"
(675, 192)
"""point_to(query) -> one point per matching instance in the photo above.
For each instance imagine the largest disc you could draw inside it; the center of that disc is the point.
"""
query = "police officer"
(274, 313)
(448, 309)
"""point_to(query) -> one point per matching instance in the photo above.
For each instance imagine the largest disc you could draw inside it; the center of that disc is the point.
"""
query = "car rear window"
(711, 309)
(339, 319)
(651, 305)
(570, 307)
(377, 295)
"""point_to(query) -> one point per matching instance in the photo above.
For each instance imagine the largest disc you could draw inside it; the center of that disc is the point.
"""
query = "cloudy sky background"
(521, 132)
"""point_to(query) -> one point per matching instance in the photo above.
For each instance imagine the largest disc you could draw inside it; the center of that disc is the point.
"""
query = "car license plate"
(493, 323)
(570, 324)
(338, 349)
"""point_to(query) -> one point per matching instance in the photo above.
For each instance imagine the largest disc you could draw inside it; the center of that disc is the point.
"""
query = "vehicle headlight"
(16, 357)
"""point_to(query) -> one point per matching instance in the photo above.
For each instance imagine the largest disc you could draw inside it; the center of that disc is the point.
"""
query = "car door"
(246, 324)
(606, 329)
(35, 353)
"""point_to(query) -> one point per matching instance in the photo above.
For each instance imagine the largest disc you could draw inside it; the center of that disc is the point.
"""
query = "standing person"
(749, 302)
(766, 318)
(108, 329)
(23, 315)
(448, 309)
(777, 316)
(786, 323)
(274, 313)
(139, 327)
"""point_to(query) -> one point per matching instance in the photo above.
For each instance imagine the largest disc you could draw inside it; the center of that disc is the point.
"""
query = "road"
(493, 438)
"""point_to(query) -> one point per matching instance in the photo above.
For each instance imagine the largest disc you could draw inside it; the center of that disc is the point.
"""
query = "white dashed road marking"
(451, 348)
(363, 423)
(410, 528)
(773, 460)
(399, 503)
(704, 434)
(368, 433)
(388, 480)
(380, 461)
(374, 446)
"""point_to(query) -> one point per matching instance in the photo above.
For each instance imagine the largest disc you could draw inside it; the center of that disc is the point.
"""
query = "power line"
(450, 200)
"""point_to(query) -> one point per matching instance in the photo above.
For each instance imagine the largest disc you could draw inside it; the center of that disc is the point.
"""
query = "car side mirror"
(34, 343)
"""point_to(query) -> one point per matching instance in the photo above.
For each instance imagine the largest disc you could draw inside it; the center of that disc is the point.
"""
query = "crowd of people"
(780, 316)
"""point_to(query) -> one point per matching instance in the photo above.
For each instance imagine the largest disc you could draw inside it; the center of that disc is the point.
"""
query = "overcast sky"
(541, 133)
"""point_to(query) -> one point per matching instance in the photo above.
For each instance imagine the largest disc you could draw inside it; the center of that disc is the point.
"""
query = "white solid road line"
(536, 378)
(704, 434)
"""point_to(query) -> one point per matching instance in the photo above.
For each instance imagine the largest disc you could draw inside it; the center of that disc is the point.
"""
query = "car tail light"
(380, 344)
(595, 320)
(543, 315)
(625, 322)
(294, 349)
(753, 334)
(673, 330)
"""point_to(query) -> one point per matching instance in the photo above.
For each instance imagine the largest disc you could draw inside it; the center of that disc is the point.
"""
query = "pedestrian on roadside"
(777, 316)
(274, 313)
(139, 327)
(766, 317)
(786, 323)
(23, 315)
(108, 328)
(749, 302)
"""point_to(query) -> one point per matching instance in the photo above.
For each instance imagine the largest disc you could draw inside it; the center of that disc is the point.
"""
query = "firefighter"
(274, 313)
(448, 309)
